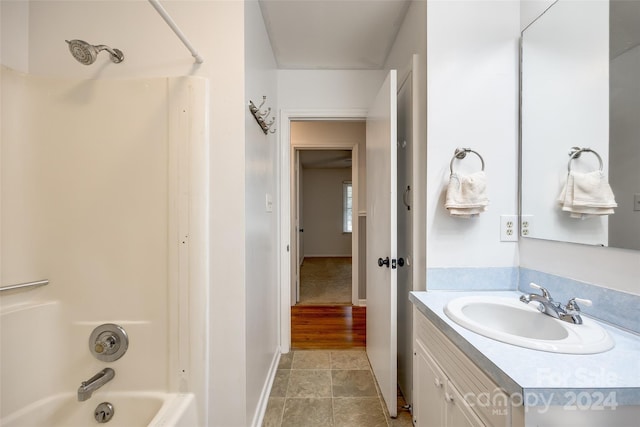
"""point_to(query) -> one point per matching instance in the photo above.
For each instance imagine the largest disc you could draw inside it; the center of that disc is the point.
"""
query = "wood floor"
(328, 327)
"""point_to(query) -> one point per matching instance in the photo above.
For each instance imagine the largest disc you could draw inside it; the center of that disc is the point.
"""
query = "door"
(382, 267)
(298, 221)
(405, 231)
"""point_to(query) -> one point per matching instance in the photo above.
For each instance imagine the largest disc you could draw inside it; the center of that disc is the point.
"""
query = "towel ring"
(575, 153)
(461, 153)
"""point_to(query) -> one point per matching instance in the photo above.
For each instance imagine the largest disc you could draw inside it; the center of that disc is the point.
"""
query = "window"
(347, 207)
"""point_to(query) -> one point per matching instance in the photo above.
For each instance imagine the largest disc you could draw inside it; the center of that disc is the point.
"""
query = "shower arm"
(116, 54)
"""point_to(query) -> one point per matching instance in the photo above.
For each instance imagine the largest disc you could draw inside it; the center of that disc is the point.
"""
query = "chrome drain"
(104, 412)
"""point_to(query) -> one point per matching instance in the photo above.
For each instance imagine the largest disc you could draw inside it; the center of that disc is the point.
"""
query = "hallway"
(328, 388)
(325, 280)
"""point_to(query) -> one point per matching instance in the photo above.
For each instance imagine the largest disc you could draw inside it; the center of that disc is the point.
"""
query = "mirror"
(580, 88)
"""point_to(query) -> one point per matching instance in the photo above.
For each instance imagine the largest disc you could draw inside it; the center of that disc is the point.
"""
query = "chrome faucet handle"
(545, 292)
(105, 342)
(572, 305)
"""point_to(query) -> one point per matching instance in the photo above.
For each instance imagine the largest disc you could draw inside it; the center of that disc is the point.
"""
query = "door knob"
(382, 262)
(400, 262)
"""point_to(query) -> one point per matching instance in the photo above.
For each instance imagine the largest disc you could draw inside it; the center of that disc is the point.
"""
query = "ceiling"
(325, 159)
(332, 34)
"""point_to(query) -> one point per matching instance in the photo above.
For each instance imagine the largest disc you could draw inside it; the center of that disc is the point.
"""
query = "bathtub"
(131, 409)
(41, 371)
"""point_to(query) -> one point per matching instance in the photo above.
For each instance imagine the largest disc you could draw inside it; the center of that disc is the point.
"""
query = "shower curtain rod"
(157, 6)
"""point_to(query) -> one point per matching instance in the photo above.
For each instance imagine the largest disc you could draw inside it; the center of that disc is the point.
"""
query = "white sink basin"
(514, 322)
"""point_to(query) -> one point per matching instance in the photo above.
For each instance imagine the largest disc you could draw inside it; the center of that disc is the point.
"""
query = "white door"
(382, 269)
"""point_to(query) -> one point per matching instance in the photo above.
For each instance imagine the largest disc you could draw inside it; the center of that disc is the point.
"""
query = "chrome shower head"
(86, 53)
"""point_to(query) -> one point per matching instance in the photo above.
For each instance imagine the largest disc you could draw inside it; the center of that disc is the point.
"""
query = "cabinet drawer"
(476, 388)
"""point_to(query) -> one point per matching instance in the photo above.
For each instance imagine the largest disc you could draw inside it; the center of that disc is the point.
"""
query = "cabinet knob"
(448, 397)
(437, 382)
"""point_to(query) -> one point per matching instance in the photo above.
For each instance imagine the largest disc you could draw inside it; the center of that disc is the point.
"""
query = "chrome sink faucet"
(87, 388)
(546, 304)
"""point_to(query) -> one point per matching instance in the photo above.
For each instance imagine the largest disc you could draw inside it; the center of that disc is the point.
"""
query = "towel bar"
(461, 153)
(25, 285)
(575, 153)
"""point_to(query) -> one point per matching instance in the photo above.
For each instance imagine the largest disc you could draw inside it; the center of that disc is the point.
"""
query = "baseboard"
(362, 303)
(261, 408)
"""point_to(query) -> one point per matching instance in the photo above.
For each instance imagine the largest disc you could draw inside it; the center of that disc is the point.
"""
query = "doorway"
(324, 190)
(324, 212)
(324, 259)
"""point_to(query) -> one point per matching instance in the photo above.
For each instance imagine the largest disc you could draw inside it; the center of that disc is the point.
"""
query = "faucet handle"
(572, 304)
(545, 293)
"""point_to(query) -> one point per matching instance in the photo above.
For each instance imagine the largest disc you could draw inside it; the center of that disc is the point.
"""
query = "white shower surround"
(104, 193)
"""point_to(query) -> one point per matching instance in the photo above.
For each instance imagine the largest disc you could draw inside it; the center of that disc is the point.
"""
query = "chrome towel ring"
(575, 153)
(461, 153)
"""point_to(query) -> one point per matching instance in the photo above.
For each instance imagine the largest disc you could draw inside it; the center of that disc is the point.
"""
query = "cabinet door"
(428, 391)
(458, 412)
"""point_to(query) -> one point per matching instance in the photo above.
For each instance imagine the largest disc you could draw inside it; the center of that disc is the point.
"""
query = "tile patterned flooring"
(328, 388)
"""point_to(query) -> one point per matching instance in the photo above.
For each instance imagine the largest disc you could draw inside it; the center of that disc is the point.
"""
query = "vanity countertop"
(609, 378)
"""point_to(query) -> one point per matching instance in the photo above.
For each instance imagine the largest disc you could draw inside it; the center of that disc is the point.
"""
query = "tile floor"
(328, 388)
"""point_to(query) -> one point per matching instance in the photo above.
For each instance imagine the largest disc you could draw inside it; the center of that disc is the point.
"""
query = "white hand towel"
(467, 194)
(587, 194)
(592, 190)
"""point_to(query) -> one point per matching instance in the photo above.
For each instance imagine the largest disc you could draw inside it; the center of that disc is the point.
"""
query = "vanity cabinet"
(448, 389)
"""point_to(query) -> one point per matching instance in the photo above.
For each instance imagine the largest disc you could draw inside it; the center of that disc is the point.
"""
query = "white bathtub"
(131, 409)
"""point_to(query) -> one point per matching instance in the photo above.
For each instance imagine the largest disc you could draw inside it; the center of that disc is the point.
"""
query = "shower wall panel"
(104, 194)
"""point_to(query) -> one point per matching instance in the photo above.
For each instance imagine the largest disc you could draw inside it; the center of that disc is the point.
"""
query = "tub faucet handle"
(108, 342)
(105, 342)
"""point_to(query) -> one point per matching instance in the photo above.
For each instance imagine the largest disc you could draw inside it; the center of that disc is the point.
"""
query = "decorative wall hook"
(262, 116)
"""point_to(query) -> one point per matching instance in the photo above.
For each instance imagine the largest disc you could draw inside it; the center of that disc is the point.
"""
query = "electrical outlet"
(508, 228)
(526, 225)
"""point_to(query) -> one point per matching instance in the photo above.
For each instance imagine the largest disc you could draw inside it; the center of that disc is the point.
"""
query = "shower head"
(86, 53)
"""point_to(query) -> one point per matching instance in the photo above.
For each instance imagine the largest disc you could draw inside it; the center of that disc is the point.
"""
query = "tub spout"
(87, 388)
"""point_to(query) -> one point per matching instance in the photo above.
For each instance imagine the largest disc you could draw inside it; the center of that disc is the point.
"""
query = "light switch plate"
(268, 202)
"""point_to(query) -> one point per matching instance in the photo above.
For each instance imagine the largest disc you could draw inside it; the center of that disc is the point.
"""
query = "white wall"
(608, 267)
(328, 89)
(472, 102)
(322, 207)
(261, 222)
(14, 34)
(530, 10)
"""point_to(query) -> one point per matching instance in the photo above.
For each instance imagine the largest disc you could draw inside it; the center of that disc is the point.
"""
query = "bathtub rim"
(172, 408)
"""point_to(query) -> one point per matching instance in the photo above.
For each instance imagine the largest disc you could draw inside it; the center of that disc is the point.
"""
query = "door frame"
(286, 235)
